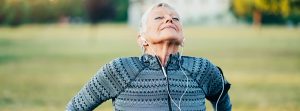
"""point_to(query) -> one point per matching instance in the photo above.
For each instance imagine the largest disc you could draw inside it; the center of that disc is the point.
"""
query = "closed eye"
(175, 18)
(158, 18)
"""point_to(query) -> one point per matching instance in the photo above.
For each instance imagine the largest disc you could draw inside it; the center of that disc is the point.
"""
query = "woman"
(161, 79)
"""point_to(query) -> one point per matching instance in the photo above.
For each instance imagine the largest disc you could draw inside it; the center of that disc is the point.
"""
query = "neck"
(162, 50)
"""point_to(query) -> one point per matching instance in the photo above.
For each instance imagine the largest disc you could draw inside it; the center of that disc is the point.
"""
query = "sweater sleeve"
(107, 83)
(214, 85)
(210, 79)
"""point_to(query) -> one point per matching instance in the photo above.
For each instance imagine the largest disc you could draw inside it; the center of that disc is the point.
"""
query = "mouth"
(169, 26)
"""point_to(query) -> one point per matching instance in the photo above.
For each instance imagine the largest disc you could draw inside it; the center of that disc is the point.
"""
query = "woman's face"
(163, 24)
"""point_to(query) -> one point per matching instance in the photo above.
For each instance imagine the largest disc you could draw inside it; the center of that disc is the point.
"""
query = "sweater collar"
(153, 63)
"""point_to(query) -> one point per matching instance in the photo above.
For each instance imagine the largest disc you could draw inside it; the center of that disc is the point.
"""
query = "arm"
(108, 82)
(209, 78)
(215, 86)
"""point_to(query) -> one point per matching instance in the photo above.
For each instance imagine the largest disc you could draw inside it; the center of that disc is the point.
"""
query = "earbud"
(144, 41)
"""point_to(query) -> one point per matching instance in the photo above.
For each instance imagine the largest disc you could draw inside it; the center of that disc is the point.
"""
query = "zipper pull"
(164, 71)
(162, 67)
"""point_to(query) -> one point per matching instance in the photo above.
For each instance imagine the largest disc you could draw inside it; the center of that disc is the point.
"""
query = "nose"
(169, 19)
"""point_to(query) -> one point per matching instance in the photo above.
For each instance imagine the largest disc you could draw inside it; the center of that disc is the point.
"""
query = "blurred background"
(50, 48)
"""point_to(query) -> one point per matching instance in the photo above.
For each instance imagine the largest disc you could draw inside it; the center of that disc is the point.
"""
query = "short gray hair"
(144, 18)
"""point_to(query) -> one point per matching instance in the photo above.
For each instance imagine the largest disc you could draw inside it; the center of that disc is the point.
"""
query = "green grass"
(43, 66)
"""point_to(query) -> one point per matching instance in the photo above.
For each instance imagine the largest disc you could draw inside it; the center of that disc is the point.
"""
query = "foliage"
(15, 12)
(271, 10)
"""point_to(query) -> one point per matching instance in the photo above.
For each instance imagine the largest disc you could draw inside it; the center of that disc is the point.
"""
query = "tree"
(16, 12)
(99, 10)
(262, 11)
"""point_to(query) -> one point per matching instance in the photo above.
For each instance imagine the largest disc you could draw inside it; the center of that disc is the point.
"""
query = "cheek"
(153, 29)
(180, 31)
(179, 26)
(151, 33)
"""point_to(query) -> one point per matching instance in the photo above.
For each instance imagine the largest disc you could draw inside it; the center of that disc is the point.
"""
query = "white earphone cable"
(187, 79)
(165, 74)
(178, 106)
(221, 92)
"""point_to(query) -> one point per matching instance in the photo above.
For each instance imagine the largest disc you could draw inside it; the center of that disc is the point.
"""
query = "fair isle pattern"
(138, 84)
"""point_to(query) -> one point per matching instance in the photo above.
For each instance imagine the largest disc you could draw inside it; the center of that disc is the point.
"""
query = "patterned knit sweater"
(138, 84)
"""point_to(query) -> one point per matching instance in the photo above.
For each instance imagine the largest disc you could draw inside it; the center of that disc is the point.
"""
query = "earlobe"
(142, 41)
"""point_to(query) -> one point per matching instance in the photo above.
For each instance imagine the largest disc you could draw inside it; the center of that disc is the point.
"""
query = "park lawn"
(43, 66)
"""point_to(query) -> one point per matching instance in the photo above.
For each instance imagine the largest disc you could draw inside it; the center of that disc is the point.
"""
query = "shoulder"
(130, 66)
(193, 63)
(196, 65)
(133, 62)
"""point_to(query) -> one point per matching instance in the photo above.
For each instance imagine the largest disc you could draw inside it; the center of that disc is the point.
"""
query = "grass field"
(43, 66)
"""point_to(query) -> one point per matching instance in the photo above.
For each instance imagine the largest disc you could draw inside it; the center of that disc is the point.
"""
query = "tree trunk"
(257, 17)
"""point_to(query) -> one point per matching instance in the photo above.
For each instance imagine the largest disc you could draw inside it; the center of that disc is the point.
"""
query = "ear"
(182, 42)
(139, 40)
(143, 41)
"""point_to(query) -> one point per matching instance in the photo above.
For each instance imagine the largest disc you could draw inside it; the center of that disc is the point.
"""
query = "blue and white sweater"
(138, 84)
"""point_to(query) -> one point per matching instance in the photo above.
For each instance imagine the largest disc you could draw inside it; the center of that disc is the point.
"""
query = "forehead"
(162, 11)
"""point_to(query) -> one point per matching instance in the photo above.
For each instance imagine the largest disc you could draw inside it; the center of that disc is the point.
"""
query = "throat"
(162, 51)
(165, 52)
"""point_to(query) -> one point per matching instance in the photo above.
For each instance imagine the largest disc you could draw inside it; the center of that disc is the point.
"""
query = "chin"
(171, 37)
